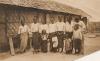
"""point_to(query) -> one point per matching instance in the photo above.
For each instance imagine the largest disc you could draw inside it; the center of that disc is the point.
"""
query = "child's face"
(43, 32)
(76, 27)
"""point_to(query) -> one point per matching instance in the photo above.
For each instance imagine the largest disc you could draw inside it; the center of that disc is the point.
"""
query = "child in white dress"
(55, 43)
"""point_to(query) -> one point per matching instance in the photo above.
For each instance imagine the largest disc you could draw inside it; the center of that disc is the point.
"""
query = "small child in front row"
(55, 43)
(67, 45)
(77, 38)
(44, 46)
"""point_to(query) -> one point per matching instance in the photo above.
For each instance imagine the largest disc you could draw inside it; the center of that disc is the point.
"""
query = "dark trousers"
(35, 40)
(77, 44)
(44, 46)
(69, 34)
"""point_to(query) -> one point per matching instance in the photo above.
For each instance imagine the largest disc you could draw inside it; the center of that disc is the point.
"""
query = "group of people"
(62, 36)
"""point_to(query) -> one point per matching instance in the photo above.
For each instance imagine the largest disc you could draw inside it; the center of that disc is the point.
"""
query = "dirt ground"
(91, 45)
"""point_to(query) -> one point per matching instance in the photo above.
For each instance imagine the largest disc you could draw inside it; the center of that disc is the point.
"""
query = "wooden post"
(11, 46)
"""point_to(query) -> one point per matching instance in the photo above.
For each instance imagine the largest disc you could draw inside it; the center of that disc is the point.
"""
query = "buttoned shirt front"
(52, 28)
(35, 27)
(43, 27)
(23, 29)
(60, 26)
(68, 27)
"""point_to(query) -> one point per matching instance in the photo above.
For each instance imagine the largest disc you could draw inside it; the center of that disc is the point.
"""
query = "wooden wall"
(11, 16)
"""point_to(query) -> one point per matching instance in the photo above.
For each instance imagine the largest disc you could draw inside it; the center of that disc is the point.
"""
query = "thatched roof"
(45, 5)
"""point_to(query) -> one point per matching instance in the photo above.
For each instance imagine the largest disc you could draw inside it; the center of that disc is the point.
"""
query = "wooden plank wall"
(3, 36)
(11, 17)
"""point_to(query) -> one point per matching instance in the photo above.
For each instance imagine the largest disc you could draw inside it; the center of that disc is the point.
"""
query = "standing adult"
(68, 34)
(23, 31)
(35, 36)
(84, 19)
(52, 31)
(81, 27)
(60, 34)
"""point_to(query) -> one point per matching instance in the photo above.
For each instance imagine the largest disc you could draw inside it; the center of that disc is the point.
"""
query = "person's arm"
(47, 29)
(81, 35)
(56, 26)
(83, 25)
(63, 26)
(40, 29)
(19, 30)
(28, 29)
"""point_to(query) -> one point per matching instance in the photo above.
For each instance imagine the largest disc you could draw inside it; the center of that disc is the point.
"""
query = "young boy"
(55, 43)
(77, 38)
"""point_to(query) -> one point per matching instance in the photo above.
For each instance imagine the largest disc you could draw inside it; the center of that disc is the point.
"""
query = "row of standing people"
(60, 36)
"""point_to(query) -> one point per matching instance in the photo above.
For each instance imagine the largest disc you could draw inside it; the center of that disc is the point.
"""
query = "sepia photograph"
(49, 30)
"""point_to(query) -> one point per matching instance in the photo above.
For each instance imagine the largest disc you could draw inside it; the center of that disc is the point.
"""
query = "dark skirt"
(60, 35)
(35, 40)
(44, 46)
(69, 34)
(77, 44)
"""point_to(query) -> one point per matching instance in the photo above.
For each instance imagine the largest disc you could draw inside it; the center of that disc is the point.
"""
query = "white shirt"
(52, 28)
(68, 27)
(60, 26)
(77, 34)
(82, 25)
(23, 29)
(43, 27)
(34, 27)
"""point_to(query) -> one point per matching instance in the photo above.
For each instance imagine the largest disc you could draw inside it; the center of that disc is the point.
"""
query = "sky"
(89, 6)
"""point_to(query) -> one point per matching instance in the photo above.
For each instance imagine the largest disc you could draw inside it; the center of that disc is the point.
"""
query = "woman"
(35, 36)
(52, 31)
(68, 34)
(23, 31)
(60, 31)
(43, 27)
(81, 27)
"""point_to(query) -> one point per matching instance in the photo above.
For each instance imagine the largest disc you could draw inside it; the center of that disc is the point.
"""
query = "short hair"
(84, 18)
(76, 25)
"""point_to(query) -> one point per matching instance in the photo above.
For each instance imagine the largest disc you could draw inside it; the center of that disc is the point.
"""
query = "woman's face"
(34, 21)
(76, 27)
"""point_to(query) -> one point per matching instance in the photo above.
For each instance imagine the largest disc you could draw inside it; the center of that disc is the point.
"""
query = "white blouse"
(60, 26)
(44, 27)
(23, 29)
(34, 27)
(52, 28)
(68, 27)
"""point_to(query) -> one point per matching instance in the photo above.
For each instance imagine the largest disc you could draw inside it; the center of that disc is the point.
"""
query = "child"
(67, 45)
(44, 41)
(77, 38)
(55, 43)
